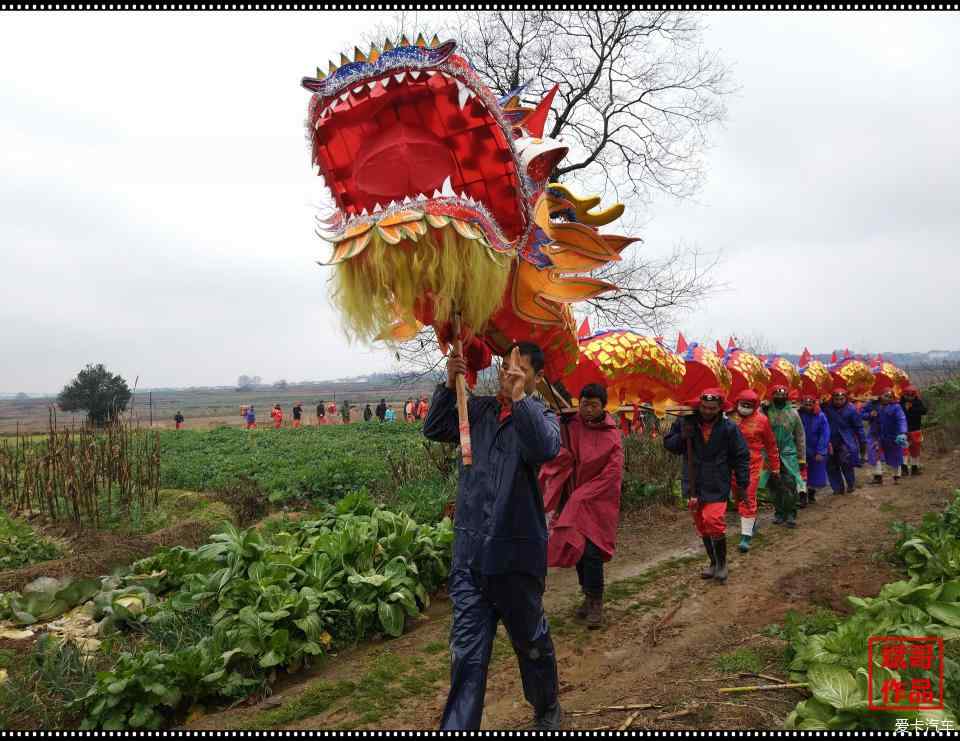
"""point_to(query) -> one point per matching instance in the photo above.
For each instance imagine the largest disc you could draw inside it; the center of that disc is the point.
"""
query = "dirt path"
(670, 639)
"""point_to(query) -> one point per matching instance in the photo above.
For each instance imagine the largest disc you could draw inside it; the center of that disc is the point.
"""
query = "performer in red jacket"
(756, 430)
(582, 486)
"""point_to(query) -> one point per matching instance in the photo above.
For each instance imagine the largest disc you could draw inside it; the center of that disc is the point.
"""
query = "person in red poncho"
(277, 415)
(582, 487)
(756, 430)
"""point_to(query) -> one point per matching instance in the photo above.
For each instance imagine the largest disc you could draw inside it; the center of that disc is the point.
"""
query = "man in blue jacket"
(720, 454)
(500, 537)
(848, 442)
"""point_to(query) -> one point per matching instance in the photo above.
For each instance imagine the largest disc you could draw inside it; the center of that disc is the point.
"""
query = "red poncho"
(593, 455)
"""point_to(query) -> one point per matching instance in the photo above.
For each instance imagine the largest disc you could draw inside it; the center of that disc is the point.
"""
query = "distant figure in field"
(251, 418)
(178, 419)
(422, 408)
(345, 411)
(277, 415)
(408, 410)
(321, 413)
(367, 413)
(382, 410)
(332, 418)
(297, 413)
(390, 415)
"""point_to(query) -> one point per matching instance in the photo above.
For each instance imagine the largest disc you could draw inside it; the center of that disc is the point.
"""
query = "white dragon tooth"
(445, 75)
(372, 84)
(463, 93)
(377, 208)
(358, 89)
(345, 96)
(385, 81)
(431, 72)
(447, 188)
(437, 193)
(421, 196)
(364, 213)
(400, 77)
(414, 74)
(406, 200)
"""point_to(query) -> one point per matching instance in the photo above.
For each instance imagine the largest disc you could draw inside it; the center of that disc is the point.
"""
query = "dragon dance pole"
(465, 446)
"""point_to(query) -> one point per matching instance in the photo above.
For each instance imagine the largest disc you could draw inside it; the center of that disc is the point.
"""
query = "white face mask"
(745, 411)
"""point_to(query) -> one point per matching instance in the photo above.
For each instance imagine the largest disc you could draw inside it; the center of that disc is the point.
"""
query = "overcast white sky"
(155, 192)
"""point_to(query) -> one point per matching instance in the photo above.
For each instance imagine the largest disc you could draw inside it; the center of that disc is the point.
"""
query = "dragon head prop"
(443, 205)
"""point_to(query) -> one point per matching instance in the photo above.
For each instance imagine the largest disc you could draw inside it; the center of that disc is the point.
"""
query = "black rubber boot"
(839, 492)
(904, 470)
(914, 470)
(877, 479)
(594, 611)
(581, 611)
(896, 480)
(802, 499)
(551, 720)
(720, 548)
(812, 496)
(709, 572)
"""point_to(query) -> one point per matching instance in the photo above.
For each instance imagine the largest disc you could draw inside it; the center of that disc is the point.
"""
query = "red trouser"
(710, 519)
(916, 443)
(178, 425)
(296, 423)
(747, 501)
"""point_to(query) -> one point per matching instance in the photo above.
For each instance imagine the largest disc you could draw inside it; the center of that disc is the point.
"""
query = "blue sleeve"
(672, 441)
(537, 430)
(901, 421)
(857, 425)
(823, 444)
(442, 424)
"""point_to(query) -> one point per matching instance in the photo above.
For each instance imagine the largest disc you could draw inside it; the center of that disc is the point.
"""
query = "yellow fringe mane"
(382, 283)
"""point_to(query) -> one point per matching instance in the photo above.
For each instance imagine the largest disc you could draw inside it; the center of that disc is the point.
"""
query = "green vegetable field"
(232, 612)
(835, 663)
(323, 463)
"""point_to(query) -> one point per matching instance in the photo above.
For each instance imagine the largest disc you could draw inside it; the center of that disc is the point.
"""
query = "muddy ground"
(670, 641)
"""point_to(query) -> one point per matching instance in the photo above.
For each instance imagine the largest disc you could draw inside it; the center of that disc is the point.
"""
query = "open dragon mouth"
(413, 127)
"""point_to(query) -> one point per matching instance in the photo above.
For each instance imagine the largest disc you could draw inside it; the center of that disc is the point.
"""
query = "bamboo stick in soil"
(466, 449)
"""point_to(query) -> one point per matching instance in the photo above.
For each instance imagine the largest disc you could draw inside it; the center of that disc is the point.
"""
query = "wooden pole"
(466, 449)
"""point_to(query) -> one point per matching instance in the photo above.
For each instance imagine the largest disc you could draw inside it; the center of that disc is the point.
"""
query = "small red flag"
(719, 349)
(833, 358)
(584, 330)
(681, 343)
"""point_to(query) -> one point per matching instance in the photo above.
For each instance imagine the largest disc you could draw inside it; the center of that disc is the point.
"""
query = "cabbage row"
(249, 603)
(835, 663)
